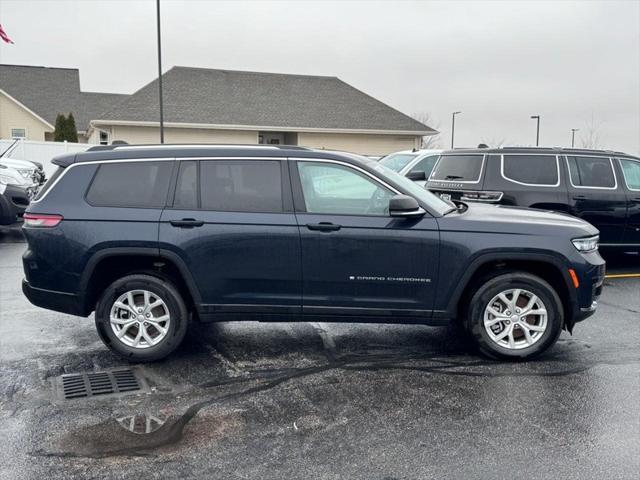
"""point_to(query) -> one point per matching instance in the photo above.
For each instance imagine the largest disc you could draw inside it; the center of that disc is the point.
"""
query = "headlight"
(587, 244)
(25, 173)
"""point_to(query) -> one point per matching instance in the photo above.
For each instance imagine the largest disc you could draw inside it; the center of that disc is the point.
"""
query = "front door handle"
(187, 223)
(636, 199)
(579, 197)
(324, 227)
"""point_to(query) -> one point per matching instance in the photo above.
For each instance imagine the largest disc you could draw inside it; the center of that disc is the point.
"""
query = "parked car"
(416, 165)
(601, 187)
(13, 202)
(150, 237)
(33, 172)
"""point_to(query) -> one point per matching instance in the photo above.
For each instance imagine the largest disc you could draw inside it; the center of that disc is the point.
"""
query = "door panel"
(631, 174)
(356, 260)
(596, 195)
(242, 261)
(371, 265)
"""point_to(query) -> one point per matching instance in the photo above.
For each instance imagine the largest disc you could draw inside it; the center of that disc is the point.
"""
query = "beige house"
(208, 106)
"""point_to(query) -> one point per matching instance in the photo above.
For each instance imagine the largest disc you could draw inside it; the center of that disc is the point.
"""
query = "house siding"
(14, 116)
(142, 135)
(365, 144)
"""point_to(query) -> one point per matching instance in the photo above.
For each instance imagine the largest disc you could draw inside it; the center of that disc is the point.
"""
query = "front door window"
(336, 189)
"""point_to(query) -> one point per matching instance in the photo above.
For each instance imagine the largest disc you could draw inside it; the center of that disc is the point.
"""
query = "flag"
(4, 36)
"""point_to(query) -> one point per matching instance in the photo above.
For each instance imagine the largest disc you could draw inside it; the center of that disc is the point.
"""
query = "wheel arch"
(551, 268)
(161, 263)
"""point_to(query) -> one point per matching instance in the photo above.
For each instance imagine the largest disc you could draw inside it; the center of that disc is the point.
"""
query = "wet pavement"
(330, 401)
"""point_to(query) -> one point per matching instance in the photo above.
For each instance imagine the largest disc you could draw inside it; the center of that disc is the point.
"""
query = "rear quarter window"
(459, 168)
(541, 170)
(130, 184)
(47, 186)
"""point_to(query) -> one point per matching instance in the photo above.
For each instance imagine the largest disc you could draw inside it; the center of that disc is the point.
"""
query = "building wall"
(14, 116)
(365, 144)
(136, 135)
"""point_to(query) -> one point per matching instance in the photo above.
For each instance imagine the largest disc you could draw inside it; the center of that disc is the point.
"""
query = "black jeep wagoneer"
(149, 237)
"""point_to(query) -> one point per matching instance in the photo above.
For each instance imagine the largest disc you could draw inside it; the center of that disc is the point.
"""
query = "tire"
(157, 336)
(515, 345)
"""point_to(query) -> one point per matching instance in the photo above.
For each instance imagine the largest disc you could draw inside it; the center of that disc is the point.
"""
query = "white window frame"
(626, 182)
(474, 182)
(615, 177)
(13, 137)
(557, 184)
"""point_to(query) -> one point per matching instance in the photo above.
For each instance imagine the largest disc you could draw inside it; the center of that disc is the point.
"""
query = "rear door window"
(541, 170)
(142, 184)
(631, 171)
(241, 185)
(591, 172)
(459, 168)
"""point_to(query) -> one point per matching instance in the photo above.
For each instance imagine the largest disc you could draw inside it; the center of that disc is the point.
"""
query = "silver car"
(416, 165)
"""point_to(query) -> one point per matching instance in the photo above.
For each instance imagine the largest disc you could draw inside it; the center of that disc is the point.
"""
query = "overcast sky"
(576, 64)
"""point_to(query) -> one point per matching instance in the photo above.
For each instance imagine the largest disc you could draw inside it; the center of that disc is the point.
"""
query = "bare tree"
(429, 141)
(590, 135)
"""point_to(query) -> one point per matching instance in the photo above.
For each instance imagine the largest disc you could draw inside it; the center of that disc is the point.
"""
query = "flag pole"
(160, 73)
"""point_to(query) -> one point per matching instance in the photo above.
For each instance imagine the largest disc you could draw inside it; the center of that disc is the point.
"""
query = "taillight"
(483, 196)
(43, 220)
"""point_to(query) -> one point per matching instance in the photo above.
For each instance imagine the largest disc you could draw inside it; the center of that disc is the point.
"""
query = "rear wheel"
(141, 317)
(515, 316)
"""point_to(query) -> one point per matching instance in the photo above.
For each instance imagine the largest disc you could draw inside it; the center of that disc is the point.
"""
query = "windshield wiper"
(453, 177)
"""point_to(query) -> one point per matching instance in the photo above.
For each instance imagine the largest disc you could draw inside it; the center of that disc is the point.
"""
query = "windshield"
(458, 168)
(397, 161)
(415, 190)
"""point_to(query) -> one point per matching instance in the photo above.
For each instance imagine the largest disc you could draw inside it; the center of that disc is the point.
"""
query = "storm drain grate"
(92, 384)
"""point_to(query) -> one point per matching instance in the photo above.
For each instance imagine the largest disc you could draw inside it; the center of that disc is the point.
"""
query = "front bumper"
(591, 282)
(13, 203)
(53, 300)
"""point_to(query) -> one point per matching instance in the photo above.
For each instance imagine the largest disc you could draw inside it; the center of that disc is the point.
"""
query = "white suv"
(416, 165)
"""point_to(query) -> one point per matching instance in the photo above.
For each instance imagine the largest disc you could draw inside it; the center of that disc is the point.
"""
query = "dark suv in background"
(598, 186)
(150, 237)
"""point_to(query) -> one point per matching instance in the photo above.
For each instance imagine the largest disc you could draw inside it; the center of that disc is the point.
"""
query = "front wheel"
(515, 316)
(141, 317)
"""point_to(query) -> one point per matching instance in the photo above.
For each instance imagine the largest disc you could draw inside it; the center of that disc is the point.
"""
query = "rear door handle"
(324, 226)
(187, 223)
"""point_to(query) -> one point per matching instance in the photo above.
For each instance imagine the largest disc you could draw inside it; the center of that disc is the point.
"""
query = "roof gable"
(50, 91)
(223, 97)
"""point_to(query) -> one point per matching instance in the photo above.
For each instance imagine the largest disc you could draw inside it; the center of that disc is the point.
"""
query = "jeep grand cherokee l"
(598, 186)
(149, 237)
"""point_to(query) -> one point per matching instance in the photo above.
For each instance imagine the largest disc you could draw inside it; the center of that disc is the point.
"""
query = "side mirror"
(417, 175)
(404, 206)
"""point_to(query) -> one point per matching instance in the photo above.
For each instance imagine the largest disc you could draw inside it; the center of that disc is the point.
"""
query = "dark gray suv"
(151, 237)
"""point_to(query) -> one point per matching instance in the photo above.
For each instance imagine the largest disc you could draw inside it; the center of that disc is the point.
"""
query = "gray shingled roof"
(223, 97)
(50, 91)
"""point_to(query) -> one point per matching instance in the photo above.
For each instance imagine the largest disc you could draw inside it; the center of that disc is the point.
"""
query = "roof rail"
(98, 148)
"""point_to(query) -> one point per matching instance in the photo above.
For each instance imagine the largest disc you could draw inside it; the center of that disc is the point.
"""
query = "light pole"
(453, 126)
(160, 74)
(573, 136)
(537, 117)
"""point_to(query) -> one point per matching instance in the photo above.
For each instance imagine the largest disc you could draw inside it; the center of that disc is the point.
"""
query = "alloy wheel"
(139, 319)
(515, 319)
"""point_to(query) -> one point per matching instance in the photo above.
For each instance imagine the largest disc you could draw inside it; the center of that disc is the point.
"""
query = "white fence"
(41, 152)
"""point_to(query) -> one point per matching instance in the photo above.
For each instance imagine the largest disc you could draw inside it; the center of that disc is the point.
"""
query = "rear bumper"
(53, 300)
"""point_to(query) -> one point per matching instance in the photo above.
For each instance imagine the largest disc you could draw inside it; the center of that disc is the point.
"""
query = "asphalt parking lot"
(250, 400)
